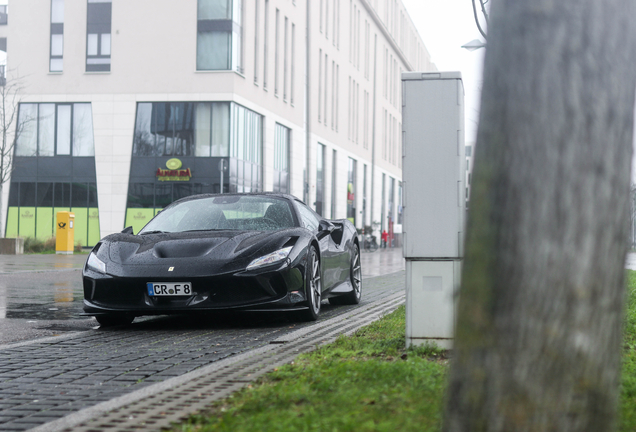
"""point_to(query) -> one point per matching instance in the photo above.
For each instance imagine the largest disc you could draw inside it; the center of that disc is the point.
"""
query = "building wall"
(362, 44)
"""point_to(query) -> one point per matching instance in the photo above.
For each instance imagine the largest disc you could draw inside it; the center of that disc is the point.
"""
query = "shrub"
(34, 245)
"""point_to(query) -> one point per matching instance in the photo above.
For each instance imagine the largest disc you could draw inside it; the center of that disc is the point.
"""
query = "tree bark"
(537, 344)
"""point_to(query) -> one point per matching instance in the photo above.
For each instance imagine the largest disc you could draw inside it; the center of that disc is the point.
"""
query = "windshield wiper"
(154, 232)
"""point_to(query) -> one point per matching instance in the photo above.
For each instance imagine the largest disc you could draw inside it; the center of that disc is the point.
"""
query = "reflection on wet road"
(382, 262)
(31, 263)
(40, 304)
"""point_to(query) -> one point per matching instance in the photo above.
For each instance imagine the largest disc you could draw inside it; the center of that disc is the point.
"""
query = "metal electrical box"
(433, 172)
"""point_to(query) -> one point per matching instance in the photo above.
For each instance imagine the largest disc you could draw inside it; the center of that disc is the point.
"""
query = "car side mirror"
(127, 230)
(325, 228)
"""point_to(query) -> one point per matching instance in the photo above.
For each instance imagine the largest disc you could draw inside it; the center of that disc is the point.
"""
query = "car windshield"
(226, 212)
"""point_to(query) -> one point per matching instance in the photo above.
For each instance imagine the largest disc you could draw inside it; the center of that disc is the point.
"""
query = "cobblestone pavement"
(45, 379)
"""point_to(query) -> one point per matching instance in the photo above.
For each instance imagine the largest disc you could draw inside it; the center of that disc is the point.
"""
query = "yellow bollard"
(65, 233)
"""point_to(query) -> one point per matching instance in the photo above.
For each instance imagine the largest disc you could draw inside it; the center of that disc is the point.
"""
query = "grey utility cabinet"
(434, 202)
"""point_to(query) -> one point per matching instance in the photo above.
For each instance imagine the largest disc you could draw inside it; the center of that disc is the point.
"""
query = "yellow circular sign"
(173, 164)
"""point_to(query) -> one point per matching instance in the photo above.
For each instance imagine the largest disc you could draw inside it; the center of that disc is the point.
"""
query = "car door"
(329, 251)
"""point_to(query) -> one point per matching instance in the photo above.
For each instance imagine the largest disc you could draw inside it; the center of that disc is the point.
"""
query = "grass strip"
(628, 387)
(370, 382)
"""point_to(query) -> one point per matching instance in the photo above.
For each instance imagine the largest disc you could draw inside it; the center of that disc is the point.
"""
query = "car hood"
(192, 253)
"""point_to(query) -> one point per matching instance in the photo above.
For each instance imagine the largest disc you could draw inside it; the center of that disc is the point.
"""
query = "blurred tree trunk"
(538, 340)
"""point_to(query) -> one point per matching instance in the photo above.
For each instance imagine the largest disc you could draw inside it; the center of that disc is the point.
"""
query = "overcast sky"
(446, 25)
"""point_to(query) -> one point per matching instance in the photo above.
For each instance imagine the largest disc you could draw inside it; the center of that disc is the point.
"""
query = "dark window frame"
(57, 28)
(55, 129)
(99, 17)
(234, 27)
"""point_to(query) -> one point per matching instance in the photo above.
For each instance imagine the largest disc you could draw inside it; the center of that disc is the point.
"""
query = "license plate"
(158, 289)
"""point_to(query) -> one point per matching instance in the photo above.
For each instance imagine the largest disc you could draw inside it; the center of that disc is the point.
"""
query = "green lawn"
(628, 390)
(369, 382)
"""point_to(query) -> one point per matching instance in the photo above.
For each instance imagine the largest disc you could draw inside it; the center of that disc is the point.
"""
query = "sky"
(446, 25)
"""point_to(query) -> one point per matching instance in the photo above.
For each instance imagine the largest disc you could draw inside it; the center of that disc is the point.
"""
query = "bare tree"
(10, 130)
(538, 338)
(484, 15)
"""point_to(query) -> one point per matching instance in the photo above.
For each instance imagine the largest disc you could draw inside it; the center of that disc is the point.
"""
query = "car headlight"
(95, 263)
(271, 258)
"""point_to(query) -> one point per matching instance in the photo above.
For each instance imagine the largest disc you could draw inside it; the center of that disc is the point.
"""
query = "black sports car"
(253, 252)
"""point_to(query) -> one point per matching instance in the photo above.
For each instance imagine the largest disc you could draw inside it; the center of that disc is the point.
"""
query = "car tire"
(110, 320)
(355, 274)
(313, 287)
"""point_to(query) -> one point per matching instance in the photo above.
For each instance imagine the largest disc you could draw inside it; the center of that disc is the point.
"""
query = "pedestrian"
(385, 237)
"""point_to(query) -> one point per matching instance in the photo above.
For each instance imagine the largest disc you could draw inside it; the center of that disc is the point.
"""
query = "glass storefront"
(180, 148)
(320, 179)
(54, 170)
(281, 159)
(351, 190)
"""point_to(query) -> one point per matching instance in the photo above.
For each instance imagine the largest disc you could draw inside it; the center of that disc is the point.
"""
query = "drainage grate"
(157, 406)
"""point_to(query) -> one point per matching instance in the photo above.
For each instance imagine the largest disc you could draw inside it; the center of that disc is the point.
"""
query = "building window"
(400, 214)
(293, 58)
(246, 143)
(219, 35)
(281, 159)
(367, 35)
(383, 206)
(285, 58)
(364, 195)
(265, 43)
(333, 93)
(256, 42)
(57, 36)
(337, 79)
(199, 129)
(98, 35)
(326, 86)
(320, 85)
(351, 190)
(276, 50)
(391, 204)
(320, 179)
(4, 14)
(334, 167)
(365, 120)
(50, 129)
(336, 23)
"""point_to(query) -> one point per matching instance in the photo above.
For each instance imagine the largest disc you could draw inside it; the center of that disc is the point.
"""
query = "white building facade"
(127, 106)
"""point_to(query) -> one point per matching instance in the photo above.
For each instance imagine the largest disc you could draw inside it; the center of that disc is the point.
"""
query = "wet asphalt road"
(41, 295)
(41, 304)
(78, 364)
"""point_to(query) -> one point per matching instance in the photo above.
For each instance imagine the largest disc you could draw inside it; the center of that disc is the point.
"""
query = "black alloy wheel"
(313, 286)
